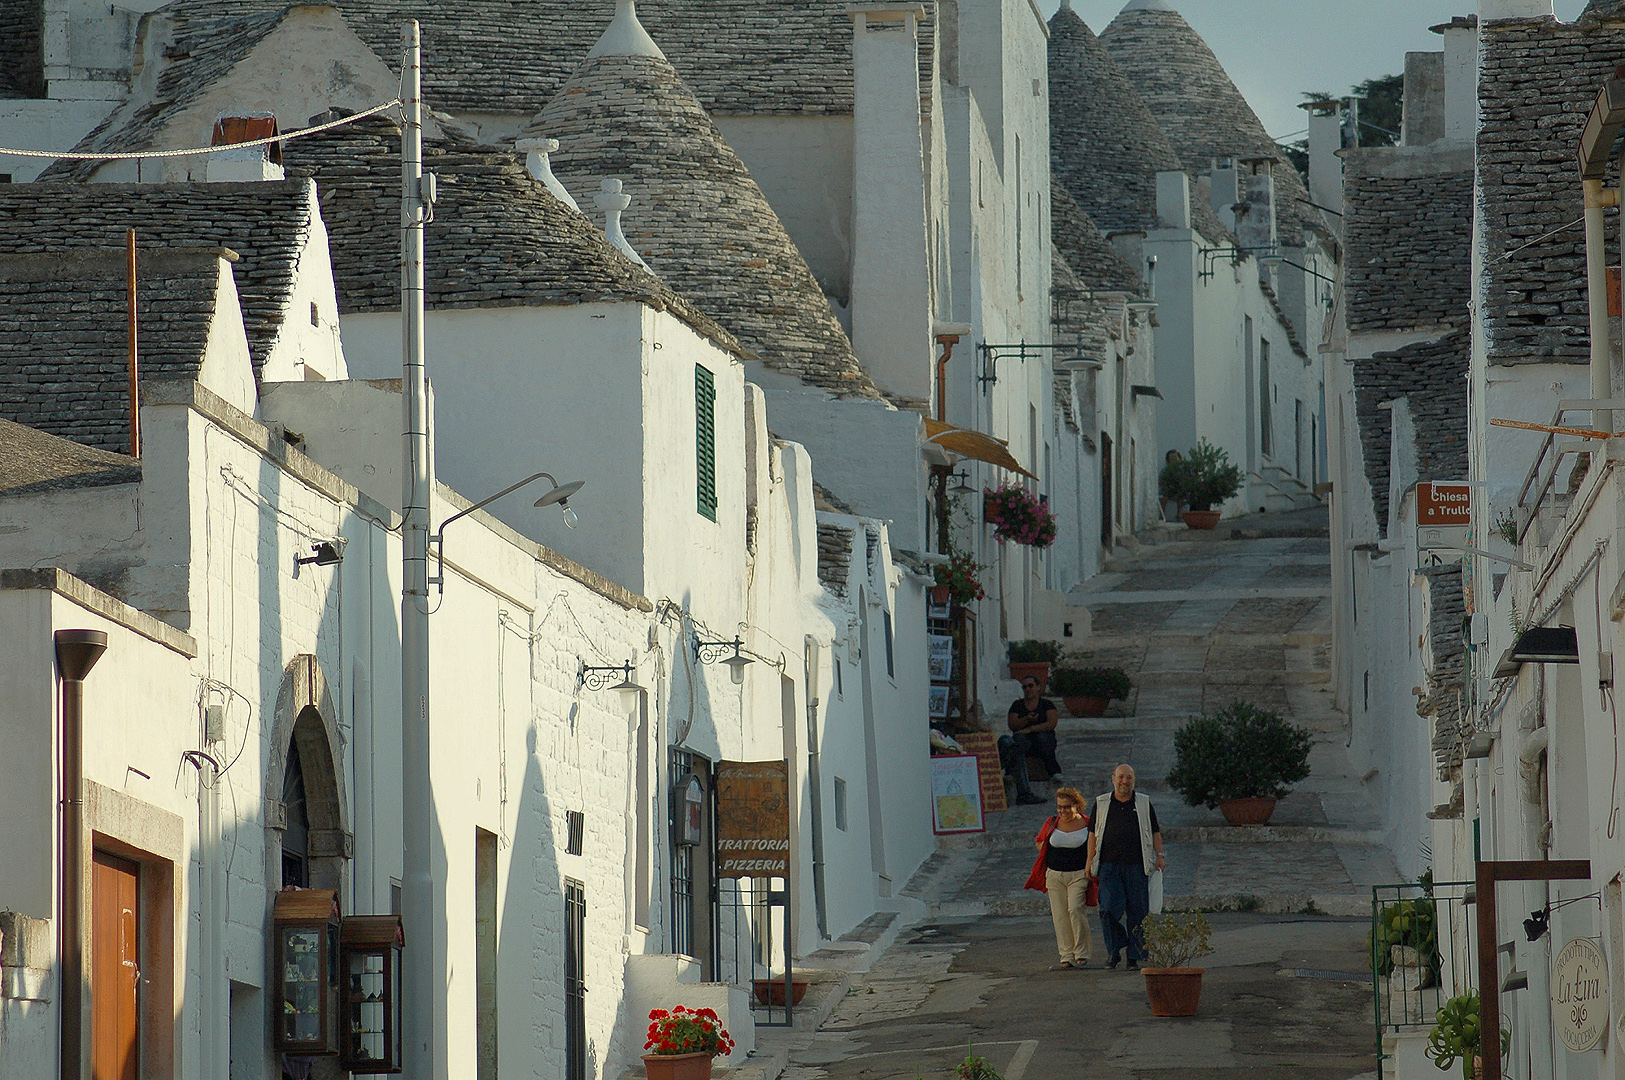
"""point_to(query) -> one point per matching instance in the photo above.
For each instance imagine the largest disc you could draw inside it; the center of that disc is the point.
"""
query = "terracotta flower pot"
(771, 991)
(940, 594)
(1086, 706)
(677, 1066)
(1251, 811)
(1036, 669)
(1200, 519)
(1173, 991)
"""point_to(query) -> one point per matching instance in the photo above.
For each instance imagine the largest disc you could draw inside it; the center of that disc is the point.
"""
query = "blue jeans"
(1124, 891)
(1013, 756)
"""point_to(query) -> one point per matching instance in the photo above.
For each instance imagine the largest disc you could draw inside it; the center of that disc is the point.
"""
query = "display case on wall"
(370, 971)
(306, 962)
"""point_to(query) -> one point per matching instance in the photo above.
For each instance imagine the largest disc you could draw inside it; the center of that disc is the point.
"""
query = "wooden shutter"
(705, 441)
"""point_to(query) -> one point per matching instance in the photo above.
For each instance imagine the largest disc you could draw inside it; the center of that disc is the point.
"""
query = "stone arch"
(305, 724)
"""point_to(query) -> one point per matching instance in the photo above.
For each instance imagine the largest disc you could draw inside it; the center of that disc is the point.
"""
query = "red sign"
(1443, 503)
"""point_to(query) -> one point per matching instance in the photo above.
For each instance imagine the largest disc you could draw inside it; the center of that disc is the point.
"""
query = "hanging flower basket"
(957, 579)
(1019, 516)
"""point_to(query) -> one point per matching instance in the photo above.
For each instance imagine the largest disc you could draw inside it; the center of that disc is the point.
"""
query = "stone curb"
(1223, 677)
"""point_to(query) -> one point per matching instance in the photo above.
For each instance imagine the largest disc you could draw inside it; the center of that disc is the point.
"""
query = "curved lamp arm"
(439, 538)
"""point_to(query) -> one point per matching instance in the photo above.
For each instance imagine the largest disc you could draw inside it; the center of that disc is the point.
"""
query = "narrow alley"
(1198, 620)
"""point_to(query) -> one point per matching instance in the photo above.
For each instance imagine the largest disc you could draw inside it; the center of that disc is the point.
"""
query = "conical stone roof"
(1105, 143)
(1197, 104)
(1603, 11)
(1088, 254)
(697, 217)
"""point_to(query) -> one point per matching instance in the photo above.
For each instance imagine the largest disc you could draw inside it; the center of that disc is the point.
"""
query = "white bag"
(1155, 906)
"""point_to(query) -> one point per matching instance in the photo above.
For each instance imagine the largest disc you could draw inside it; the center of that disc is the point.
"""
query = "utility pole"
(419, 1009)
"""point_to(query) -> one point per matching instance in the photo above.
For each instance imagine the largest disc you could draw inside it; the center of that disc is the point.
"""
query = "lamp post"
(421, 1009)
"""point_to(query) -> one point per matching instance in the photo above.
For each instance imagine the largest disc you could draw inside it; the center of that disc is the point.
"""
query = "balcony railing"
(1422, 951)
(1543, 472)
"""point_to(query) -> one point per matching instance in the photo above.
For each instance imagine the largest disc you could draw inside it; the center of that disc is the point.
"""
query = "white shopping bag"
(1155, 906)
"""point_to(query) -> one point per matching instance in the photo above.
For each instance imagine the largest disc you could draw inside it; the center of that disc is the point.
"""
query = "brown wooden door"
(114, 967)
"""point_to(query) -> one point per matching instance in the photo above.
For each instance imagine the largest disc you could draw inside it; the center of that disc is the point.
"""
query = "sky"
(1275, 49)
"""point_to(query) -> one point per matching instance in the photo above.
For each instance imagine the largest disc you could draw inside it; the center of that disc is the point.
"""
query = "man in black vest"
(1125, 849)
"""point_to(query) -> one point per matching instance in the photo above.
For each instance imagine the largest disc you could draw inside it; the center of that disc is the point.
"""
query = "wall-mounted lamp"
(1079, 362)
(717, 652)
(1534, 927)
(328, 553)
(598, 678)
(560, 494)
(961, 484)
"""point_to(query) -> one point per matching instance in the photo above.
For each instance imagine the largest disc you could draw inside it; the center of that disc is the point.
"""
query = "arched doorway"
(308, 839)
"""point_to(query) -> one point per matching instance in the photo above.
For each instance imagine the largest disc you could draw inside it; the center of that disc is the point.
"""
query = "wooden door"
(115, 934)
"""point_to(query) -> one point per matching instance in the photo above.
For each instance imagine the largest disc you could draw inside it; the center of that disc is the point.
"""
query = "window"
(840, 691)
(575, 830)
(296, 834)
(1266, 432)
(705, 441)
(575, 980)
(840, 804)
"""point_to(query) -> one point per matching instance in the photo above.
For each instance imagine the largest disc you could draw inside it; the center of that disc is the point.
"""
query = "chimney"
(262, 162)
(891, 286)
(536, 153)
(1491, 10)
(1224, 188)
(1174, 199)
(1460, 77)
(612, 202)
(1255, 226)
(1422, 121)
(1325, 167)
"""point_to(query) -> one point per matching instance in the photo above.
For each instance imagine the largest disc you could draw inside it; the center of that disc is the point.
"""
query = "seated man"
(1032, 727)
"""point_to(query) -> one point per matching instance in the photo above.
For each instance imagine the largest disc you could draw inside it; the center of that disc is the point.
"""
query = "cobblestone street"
(1198, 621)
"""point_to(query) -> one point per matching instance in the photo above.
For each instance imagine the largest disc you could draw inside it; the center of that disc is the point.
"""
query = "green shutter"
(705, 441)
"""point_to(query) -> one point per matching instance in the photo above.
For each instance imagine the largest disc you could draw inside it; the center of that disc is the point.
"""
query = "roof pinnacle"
(625, 35)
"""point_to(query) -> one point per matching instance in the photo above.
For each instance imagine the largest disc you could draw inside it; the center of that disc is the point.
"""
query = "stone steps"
(1035, 904)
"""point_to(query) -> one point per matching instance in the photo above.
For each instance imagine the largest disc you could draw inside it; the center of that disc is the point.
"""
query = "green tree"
(1382, 110)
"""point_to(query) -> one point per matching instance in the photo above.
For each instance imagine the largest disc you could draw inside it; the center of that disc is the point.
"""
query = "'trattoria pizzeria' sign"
(753, 819)
(1580, 995)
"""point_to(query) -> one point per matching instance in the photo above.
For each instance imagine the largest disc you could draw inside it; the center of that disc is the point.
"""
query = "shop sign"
(753, 819)
(1444, 514)
(1580, 995)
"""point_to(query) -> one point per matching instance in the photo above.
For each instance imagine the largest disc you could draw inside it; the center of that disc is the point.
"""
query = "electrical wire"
(140, 155)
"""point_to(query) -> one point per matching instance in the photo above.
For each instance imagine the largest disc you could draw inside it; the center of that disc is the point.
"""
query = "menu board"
(956, 794)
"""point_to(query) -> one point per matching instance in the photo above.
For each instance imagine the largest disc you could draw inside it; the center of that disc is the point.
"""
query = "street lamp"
(560, 494)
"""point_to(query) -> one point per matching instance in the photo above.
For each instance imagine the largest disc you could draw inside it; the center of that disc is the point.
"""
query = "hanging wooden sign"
(753, 819)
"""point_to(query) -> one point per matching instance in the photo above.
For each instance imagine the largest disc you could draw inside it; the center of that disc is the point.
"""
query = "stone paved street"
(1198, 620)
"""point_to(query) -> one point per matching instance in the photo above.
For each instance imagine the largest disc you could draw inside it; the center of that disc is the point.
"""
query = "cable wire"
(197, 150)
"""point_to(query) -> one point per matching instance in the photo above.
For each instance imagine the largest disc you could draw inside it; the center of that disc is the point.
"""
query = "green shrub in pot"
(1099, 682)
(1035, 652)
(1239, 752)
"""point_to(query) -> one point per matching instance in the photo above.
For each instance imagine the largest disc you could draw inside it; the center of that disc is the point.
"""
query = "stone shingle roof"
(1200, 110)
(1088, 254)
(22, 61)
(1105, 144)
(204, 52)
(1433, 375)
(1537, 80)
(1603, 11)
(784, 57)
(499, 238)
(834, 556)
(267, 224)
(64, 364)
(697, 217)
(33, 461)
(1452, 725)
(1407, 243)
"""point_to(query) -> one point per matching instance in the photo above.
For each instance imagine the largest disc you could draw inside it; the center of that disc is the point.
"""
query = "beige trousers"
(1067, 889)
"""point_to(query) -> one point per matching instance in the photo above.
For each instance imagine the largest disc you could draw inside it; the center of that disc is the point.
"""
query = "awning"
(973, 444)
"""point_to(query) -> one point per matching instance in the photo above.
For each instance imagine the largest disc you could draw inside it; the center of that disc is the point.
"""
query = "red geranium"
(687, 1031)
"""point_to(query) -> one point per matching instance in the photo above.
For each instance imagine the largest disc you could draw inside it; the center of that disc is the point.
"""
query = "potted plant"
(1172, 941)
(1455, 1035)
(1087, 691)
(1240, 760)
(1018, 515)
(771, 991)
(1033, 658)
(682, 1042)
(1201, 480)
(956, 580)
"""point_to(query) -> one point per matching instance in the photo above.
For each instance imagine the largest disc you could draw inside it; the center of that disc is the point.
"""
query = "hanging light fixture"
(716, 652)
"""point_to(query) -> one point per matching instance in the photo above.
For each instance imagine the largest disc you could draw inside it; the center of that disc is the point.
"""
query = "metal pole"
(135, 365)
(419, 1007)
